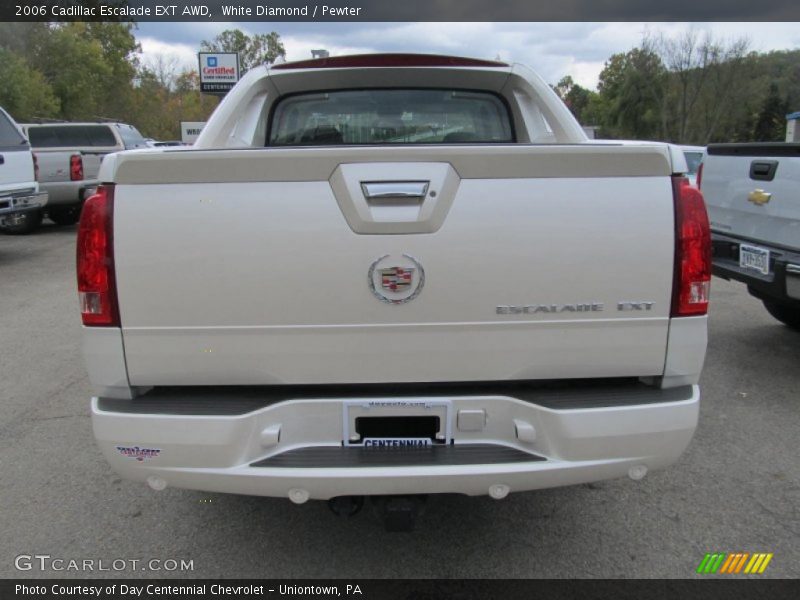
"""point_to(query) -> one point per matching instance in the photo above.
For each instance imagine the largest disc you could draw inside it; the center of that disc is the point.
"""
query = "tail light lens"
(699, 175)
(692, 282)
(75, 167)
(97, 288)
(35, 167)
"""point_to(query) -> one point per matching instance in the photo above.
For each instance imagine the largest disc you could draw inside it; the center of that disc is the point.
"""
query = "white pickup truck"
(393, 275)
(69, 157)
(19, 189)
(754, 208)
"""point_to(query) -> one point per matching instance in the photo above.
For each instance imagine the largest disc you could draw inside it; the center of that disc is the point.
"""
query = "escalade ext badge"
(531, 309)
(396, 283)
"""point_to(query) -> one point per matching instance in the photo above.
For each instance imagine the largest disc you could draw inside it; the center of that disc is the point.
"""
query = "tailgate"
(332, 265)
(16, 170)
(54, 166)
(16, 162)
(751, 191)
(91, 163)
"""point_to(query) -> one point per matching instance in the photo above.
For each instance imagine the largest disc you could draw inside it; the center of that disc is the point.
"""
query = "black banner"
(408, 10)
(402, 589)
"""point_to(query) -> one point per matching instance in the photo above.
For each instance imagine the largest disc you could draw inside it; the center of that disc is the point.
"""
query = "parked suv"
(19, 192)
(69, 156)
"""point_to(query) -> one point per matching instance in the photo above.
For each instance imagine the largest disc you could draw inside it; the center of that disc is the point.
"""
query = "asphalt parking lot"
(737, 488)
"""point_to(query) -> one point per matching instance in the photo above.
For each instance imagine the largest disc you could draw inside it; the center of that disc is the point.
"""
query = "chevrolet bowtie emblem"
(759, 197)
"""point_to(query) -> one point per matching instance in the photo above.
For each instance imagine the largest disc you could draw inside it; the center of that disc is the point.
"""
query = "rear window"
(10, 137)
(394, 116)
(693, 160)
(131, 137)
(71, 136)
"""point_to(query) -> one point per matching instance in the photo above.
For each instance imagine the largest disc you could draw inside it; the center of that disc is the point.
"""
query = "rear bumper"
(297, 445)
(17, 204)
(68, 193)
(781, 284)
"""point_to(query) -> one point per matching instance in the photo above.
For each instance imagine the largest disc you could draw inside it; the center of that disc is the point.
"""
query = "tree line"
(691, 89)
(93, 71)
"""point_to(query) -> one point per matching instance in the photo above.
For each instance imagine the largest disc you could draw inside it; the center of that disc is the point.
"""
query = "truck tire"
(29, 222)
(65, 215)
(786, 314)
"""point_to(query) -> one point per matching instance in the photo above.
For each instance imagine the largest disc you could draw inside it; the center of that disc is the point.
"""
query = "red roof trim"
(389, 60)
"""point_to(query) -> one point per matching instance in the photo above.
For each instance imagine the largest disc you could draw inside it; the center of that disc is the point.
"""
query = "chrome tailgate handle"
(376, 190)
(386, 198)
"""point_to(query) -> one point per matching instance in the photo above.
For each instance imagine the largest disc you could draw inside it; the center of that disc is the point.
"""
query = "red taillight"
(699, 175)
(97, 287)
(35, 167)
(692, 282)
(75, 167)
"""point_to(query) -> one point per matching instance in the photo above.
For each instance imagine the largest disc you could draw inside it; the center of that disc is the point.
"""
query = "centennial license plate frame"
(401, 407)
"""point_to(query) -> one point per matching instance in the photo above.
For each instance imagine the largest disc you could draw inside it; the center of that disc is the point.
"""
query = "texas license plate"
(755, 258)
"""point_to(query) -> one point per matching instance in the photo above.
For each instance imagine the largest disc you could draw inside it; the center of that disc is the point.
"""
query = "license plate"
(395, 407)
(755, 258)
(793, 285)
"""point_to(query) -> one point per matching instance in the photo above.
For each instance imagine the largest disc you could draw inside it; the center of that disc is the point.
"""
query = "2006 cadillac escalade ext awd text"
(393, 275)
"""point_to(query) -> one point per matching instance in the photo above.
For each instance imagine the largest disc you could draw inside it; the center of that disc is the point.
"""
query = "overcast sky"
(553, 49)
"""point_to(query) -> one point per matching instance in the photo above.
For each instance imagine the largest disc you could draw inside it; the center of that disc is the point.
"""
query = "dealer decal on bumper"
(140, 454)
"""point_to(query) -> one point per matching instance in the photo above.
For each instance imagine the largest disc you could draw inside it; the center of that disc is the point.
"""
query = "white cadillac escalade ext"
(393, 275)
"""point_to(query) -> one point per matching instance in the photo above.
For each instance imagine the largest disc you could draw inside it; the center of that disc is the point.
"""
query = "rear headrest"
(460, 136)
(326, 135)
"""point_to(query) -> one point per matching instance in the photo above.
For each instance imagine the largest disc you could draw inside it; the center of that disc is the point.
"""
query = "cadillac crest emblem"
(396, 280)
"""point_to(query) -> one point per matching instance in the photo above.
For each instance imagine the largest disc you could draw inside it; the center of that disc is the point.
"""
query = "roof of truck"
(389, 60)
